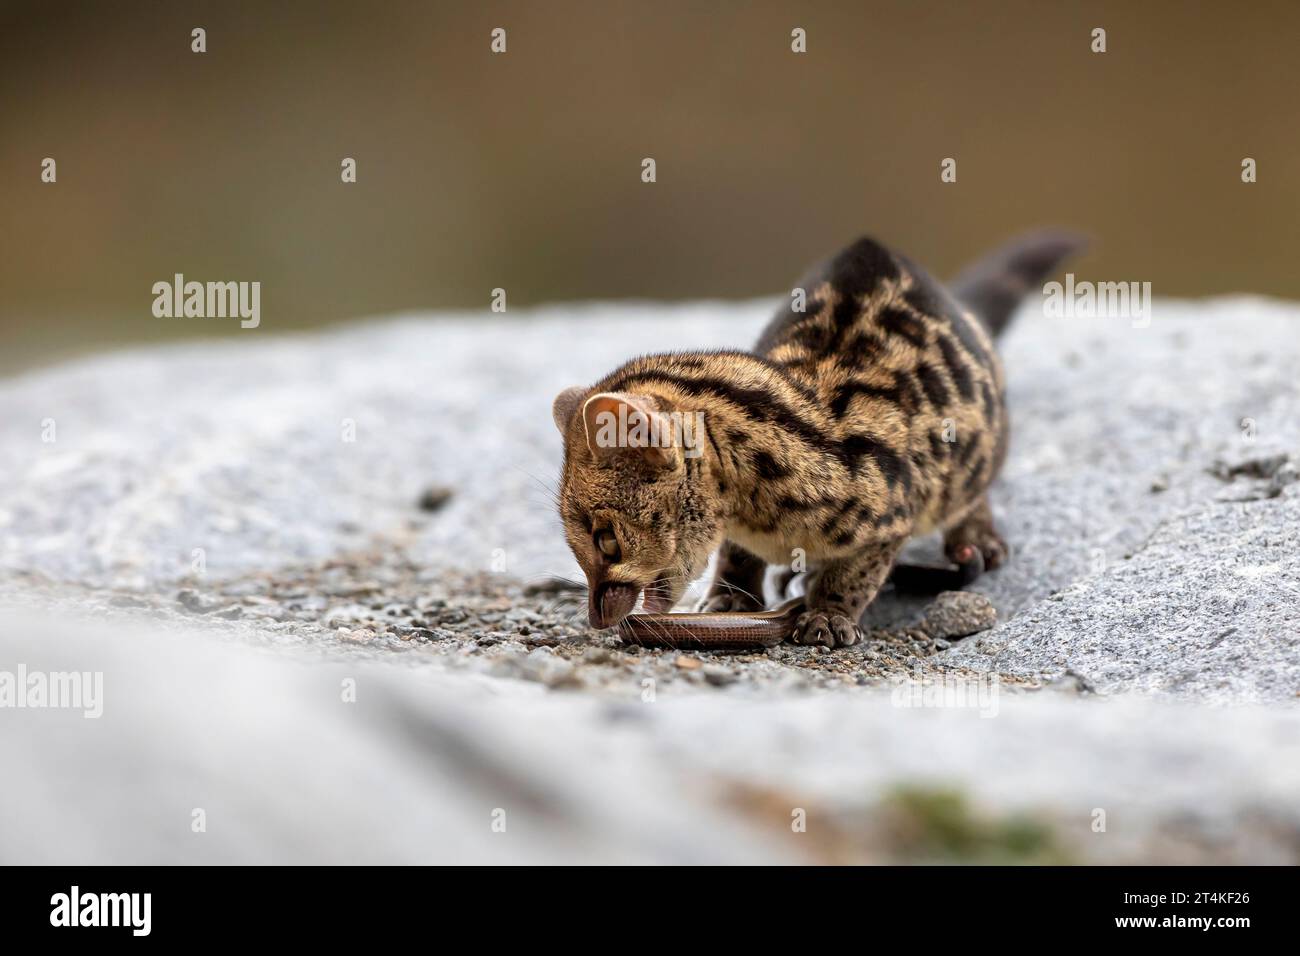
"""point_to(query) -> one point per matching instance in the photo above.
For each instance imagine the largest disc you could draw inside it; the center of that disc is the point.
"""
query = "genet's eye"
(607, 543)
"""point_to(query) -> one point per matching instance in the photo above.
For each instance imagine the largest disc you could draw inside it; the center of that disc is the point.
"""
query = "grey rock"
(687, 777)
(1150, 501)
(955, 614)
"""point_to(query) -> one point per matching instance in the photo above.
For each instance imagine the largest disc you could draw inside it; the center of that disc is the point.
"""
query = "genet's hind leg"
(975, 533)
(737, 581)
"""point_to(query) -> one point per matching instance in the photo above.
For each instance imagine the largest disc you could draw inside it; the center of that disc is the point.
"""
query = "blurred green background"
(522, 170)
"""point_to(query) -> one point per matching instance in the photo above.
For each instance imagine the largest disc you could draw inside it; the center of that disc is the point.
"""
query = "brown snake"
(754, 630)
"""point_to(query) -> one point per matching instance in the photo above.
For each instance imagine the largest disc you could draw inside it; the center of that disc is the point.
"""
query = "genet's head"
(641, 511)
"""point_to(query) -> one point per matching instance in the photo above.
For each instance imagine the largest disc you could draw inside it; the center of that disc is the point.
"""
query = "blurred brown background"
(522, 170)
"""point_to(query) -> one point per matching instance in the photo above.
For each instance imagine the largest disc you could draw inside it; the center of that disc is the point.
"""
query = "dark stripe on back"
(957, 368)
(755, 402)
(936, 390)
(967, 448)
(968, 337)
(902, 324)
(892, 466)
(864, 345)
(845, 394)
(928, 298)
(811, 334)
(855, 274)
(812, 306)
(787, 503)
(975, 477)
(911, 395)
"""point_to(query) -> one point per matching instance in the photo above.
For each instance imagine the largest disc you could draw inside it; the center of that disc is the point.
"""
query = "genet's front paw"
(827, 629)
(731, 601)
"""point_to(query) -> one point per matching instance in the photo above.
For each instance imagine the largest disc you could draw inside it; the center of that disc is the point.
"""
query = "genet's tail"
(993, 286)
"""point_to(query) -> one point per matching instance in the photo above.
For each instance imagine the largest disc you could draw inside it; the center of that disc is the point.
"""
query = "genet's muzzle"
(611, 602)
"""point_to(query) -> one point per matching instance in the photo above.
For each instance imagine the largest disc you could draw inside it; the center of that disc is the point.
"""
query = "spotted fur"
(875, 413)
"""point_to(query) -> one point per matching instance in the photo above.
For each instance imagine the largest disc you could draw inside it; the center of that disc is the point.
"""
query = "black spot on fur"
(833, 521)
(768, 468)
(896, 513)
(847, 536)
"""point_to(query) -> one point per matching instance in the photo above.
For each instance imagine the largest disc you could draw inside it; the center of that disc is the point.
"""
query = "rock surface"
(376, 499)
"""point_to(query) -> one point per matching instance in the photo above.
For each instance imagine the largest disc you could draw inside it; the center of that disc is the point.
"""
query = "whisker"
(757, 598)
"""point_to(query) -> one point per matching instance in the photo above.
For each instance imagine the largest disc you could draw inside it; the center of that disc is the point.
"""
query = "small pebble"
(955, 614)
(719, 676)
(191, 600)
(434, 497)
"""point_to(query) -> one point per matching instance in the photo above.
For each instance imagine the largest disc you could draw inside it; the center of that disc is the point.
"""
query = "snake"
(756, 630)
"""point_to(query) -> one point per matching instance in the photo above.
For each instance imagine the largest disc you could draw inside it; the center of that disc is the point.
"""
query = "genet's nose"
(611, 602)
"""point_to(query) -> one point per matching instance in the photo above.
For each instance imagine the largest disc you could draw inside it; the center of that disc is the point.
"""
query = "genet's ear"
(565, 404)
(619, 424)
